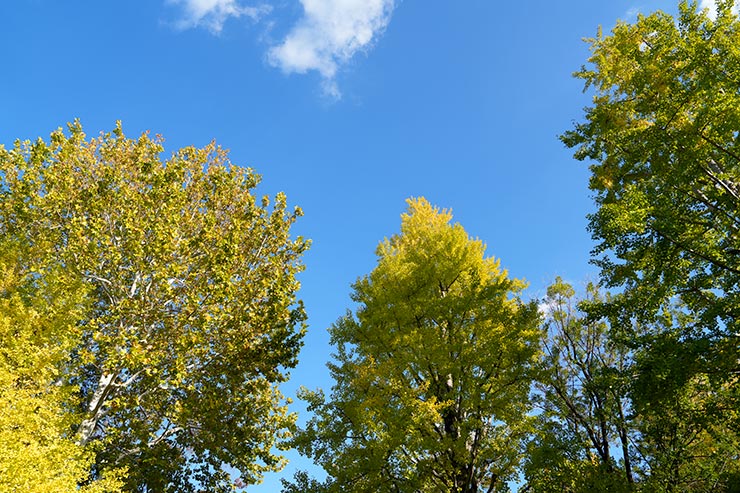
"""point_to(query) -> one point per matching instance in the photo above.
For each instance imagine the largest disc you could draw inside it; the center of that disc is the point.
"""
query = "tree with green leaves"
(192, 319)
(663, 138)
(662, 135)
(626, 410)
(432, 370)
(585, 437)
(685, 421)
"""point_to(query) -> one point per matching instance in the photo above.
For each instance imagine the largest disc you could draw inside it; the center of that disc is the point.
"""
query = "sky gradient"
(348, 106)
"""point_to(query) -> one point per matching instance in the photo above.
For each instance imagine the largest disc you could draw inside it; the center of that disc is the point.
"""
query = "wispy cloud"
(328, 35)
(712, 6)
(632, 14)
(212, 14)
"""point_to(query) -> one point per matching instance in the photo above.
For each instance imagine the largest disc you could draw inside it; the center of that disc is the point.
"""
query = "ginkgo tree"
(432, 370)
(192, 319)
(38, 447)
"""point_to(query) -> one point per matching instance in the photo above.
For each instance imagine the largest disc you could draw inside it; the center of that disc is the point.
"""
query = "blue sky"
(348, 106)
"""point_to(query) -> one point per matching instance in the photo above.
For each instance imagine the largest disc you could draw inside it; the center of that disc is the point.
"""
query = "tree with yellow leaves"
(192, 317)
(38, 447)
(432, 370)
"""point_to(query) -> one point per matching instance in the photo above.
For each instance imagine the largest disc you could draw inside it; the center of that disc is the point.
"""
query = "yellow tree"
(193, 318)
(432, 370)
(38, 447)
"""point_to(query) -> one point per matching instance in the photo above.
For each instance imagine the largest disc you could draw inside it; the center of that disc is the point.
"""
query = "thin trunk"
(624, 439)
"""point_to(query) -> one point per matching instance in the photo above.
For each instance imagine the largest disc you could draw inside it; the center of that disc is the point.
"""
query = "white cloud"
(328, 35)
(546, 308)
(712, 6)
(212, 14)
(632, 14)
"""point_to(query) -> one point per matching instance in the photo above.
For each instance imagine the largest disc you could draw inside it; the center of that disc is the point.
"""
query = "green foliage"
(583, 394)
(627, 410)
(686, 422)
(38, 450)
(663, 137)
(192, 318)
(432, 370)
(303, 483)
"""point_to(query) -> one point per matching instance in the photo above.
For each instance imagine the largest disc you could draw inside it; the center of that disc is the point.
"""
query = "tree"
(663, 137)
(585, 435)
(192, 320)
(626, 413)
(38, 450)
(685, 421)
(432, 370)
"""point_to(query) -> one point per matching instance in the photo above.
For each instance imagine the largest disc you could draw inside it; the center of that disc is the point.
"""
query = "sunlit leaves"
(38, 446)
(662, 134)
(193, 316)
(432, 369)
(662, 137)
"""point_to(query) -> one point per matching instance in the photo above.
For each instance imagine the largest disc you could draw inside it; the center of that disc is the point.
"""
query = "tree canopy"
(621, 417)
(432, 369)
(662, 135)
(149, 313)
(38, 449)
(584, 437)
(191, 318)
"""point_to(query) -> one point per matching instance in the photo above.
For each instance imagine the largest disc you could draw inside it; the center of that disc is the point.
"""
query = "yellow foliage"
(38, 449)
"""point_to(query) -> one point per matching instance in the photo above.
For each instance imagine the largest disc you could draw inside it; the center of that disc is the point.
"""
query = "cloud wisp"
(212, 14)
(328, 35)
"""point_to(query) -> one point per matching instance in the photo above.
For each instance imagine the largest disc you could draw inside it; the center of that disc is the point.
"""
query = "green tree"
(584, 439)
(38, 448)
(662, 136)
(432, 370)
(685, 421)
(631, 413)
(193, 318)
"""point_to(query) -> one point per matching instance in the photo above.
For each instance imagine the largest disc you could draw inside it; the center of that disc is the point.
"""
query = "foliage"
(618, 418)
(583, 395)
(303, 483)
(662, 135)
(432, 370)
(687, 436)
(38, 451)
(193, 317)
